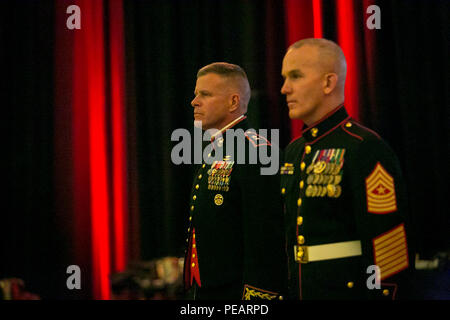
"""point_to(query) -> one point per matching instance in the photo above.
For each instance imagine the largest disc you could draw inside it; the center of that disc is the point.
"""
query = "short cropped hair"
(230, 71)
(327, 49)
(224, 69)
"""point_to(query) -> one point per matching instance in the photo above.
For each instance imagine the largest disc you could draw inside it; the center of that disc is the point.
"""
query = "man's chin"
(198, 124)
(295, 114)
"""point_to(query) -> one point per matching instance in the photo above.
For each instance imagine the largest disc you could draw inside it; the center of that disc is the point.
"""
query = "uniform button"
(194, 246)
(299, 202)
(302, 183)
(348, 124)
(308, 149)
(350, 284)
(302, 166)
(193, 255)
(194, 197)
(280, 298)
(300, 253)
(385, 292)
(196, 187)
(187, 240)
(193, 264)
(283, 190)
(203, 166)
(192, 208)
(200, 176)
(189, 229)
(190, 218)
(301, 240)
(299, 220)
(314, 132)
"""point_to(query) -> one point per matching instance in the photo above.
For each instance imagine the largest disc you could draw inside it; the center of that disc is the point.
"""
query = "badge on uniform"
(219, 175)
(391, 251)
(380, 191)
(256, 139)
(325, 174)
(288, 168)
(218, 199)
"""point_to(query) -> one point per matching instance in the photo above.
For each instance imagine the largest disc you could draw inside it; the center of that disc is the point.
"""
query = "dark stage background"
(89, 115)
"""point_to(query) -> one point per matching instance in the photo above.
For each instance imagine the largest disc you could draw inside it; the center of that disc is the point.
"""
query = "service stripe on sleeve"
(391, 252)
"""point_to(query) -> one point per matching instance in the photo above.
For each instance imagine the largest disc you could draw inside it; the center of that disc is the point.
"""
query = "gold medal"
(337, 179)
(320, 179)
(319, 167)
(331, 181)
(338, 191)
(331, 190)
(323, 191)
(310, 179)
(314, 191)
(337, 169)
(327, 168)
(309, 191)
(332, 168)
(309, 168)
(316, 179)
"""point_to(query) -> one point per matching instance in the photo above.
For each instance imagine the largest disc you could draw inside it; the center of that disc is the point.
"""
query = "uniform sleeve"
(380, 210)
(264, 259)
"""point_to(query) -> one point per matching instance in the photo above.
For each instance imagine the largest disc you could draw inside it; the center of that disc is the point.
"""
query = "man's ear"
(235, 102)
(330, 82)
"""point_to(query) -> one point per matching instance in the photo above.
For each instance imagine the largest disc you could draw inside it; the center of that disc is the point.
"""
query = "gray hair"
(328, 51)
(230, 71)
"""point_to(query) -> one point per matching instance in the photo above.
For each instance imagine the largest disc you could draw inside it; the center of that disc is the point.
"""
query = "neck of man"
(229, 119)
(327, 105)
(230, 124)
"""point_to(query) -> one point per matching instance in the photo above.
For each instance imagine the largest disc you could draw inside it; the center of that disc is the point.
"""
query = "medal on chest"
(219, 175)
(324, 174)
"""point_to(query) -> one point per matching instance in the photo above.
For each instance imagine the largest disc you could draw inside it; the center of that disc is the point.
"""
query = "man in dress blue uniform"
(235, 242)
(345, 204)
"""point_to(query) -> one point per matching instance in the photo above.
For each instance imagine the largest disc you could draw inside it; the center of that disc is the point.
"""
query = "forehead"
(210, 80)
(300, 58)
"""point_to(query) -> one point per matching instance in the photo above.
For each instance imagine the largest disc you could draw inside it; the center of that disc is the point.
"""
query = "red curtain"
(92, 121)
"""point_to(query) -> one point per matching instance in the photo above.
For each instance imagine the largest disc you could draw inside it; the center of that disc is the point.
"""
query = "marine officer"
(235, 242)
(345, 205)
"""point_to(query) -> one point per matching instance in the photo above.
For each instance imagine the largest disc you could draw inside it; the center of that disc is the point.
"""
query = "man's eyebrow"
(294, 72)
(201, 92)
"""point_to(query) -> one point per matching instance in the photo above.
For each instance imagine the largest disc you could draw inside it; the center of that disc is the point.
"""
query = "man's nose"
(194, 102)
(285, 89)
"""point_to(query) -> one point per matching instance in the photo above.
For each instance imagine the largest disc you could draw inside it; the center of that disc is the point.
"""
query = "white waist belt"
(329, 251)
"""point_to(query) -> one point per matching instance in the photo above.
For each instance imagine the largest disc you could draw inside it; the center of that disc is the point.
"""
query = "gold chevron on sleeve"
(380, 191)
(391, 252)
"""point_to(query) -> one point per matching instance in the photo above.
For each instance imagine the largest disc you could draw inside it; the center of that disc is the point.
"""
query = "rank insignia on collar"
(380, 191)
(256, 139)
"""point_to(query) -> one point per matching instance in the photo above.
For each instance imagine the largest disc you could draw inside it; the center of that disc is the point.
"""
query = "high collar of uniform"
(232, 124)
(328, 123)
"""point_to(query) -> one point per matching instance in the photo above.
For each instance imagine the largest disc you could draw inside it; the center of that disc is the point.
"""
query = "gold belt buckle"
(301, 254)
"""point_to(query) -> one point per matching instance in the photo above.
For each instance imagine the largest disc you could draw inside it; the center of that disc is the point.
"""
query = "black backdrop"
(164, 61)
(167, 41)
